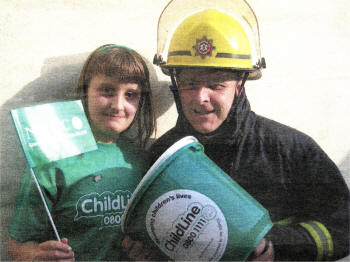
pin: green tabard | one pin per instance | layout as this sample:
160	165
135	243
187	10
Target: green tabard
86	195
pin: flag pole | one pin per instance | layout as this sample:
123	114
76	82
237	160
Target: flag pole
45	205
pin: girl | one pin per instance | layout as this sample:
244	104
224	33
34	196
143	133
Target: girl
87	194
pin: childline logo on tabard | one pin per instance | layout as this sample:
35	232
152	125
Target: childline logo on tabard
108	206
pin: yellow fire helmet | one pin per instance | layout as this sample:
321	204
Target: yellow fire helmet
209	33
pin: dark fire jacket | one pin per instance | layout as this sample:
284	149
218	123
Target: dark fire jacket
287	172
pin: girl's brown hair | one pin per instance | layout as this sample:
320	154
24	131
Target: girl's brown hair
124	65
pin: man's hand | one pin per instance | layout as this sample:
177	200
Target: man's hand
263	252
137	251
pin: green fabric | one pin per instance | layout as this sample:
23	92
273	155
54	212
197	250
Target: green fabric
110	47
65	121
87	195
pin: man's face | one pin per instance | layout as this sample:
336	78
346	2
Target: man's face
206	97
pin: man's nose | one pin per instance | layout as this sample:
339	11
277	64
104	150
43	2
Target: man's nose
203	94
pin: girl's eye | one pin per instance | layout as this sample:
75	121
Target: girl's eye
131	94
107	91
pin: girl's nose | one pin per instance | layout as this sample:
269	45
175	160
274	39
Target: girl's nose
117	102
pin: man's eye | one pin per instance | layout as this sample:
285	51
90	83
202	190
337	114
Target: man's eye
187	85
216	86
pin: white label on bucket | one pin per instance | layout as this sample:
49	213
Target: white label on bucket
187	225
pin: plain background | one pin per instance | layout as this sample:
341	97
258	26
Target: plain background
305	85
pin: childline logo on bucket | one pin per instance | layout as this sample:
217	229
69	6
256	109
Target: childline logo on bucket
191	223
187	225
109	206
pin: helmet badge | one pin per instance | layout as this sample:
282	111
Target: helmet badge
204	47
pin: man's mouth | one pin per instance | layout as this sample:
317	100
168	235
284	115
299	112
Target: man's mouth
203	112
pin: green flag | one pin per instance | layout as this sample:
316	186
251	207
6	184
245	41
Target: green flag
53	131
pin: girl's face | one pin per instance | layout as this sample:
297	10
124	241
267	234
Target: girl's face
112	106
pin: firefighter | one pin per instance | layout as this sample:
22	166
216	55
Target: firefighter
209	49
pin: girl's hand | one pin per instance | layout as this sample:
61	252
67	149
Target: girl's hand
48	250
55	250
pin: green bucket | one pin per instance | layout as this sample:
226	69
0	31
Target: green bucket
192	210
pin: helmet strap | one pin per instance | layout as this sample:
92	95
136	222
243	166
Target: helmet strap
172	77
174	89
245	77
